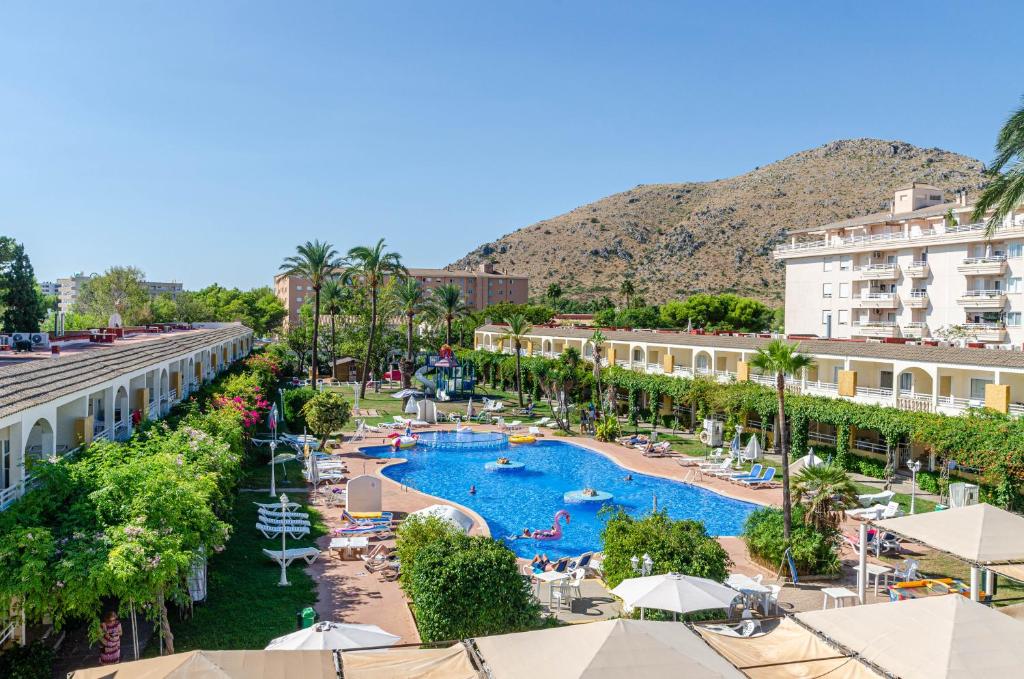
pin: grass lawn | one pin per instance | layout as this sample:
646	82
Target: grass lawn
245	608
286	475
939	565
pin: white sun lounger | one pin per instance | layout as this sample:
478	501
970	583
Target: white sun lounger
285	558
291	530
882	498
276	506
876	512
298	517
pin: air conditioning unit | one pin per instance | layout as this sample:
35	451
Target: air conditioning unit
20	337
40	340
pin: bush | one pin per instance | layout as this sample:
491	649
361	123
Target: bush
294	401
34	661
607	428
674	546
462	586
814	552
928	482
326	413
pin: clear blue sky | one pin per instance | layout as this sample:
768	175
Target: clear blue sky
201	141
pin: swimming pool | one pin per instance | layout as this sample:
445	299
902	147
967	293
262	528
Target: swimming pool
510	500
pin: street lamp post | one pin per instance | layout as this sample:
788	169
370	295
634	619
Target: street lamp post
273	463
642	566
283	582
914	466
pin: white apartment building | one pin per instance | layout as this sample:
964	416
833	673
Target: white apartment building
49	287
919	271
69	288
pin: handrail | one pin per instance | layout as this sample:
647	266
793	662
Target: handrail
837	241
877	295
999	259
984	293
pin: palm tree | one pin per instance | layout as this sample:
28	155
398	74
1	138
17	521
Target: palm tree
597	339
333	297
554	293
370	266
411	300
828	492
448	305
316	262
782	359
1006	192
627	290
518	329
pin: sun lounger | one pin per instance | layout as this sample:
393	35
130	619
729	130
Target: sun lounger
876	512
276	506
754	473
274	530
543	422
710	468
882	498
763	482
382	517
287	516
370	530
285	558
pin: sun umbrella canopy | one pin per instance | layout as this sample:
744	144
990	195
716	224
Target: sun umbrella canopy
447	513
939	637
333	636
403	393
753	449
978	533
675	592
609	649
221	665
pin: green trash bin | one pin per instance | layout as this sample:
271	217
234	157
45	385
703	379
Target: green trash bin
309	617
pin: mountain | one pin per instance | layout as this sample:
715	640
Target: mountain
718	236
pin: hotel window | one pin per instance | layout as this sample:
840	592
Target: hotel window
1015	284
299	299
1013	319
1015	250
298	287
826	317
827	264
826	290
844	290
844	262
978	388
844	317
906	382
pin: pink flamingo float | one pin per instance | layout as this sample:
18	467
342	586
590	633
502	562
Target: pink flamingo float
555	532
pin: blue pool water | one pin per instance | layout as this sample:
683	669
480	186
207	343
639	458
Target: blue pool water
512	500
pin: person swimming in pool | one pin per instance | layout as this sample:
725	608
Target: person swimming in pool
629	477
472	490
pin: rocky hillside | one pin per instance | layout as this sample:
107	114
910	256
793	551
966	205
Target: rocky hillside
678	239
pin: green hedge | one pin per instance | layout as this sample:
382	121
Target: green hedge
815	553
294	400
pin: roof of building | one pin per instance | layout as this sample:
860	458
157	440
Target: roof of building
884	216
39	381
461	272
985	358
918	185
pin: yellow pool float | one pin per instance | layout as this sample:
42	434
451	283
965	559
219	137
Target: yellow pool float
522	438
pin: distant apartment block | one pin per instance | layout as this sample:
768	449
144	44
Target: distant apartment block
49	287
69	288
913	272
480	288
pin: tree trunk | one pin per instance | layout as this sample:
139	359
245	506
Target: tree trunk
334	349
165	626
448	330
314	367
597	380
787	515
369	341
410	360
519	375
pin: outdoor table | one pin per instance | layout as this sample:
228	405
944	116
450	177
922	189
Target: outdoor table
750	588
838	595
550	577
877	570
345	547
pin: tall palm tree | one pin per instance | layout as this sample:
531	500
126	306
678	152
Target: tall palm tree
316	262
828	492
448	305
627	290
554	293
412	300
518	329
333	297
782	359
369	266
597	339
1006	192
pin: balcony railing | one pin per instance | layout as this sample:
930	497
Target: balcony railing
985	299
880	392
654	368
878	271
927	234
916	269
985	260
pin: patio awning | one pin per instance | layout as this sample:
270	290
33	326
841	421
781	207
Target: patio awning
409	663
940	637
610	649
221	665
787	652
981	534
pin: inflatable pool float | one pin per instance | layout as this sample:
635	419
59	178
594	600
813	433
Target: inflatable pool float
555	532
522	438
405	442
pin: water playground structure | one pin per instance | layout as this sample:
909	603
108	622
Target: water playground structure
444	379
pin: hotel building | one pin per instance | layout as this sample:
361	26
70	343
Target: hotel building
920	270
69	288
480	288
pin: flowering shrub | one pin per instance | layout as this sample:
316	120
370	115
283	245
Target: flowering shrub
245	394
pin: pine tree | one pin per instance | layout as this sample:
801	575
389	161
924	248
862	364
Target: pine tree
23	301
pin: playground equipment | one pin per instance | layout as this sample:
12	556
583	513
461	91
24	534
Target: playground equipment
443	378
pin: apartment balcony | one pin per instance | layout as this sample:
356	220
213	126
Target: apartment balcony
876	300
961	233
882	329
983	299
876	272
915	329
983	266
916	270
987	332
918	299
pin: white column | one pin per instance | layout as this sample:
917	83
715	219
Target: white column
803	379
990	583
935	391
975	582
862	560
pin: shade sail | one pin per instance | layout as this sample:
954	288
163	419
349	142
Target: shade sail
222	665
787	652
447	513
978	533
333	636
940	637
434	663
674	592
1015	611
610	649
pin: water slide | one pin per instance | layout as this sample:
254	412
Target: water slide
429	385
